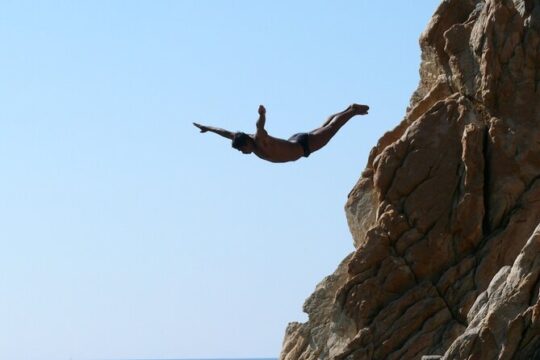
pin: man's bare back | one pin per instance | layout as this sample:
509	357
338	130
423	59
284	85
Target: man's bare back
280	150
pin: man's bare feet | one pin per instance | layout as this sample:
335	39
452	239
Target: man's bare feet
359	109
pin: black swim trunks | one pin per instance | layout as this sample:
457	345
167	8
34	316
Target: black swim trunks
303	140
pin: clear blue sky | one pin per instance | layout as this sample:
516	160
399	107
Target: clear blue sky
127	234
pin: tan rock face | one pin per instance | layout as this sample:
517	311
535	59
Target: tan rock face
447	258
504	322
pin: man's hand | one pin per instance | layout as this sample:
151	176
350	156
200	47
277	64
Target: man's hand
201	127
262	110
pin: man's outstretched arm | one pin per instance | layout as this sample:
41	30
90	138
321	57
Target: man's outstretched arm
261	122
222	132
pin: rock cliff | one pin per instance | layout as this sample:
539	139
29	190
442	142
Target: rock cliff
445	216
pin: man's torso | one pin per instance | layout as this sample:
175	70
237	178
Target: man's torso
277	150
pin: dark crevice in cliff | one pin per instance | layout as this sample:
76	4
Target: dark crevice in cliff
455	315
505	221
486	226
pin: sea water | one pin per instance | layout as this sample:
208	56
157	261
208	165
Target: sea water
208	359
222	359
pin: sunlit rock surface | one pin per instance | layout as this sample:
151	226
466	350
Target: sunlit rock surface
447	258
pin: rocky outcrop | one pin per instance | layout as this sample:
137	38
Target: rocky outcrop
504	322
447	258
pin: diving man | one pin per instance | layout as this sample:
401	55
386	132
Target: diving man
280	150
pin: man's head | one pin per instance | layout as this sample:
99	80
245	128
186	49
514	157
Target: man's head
243	142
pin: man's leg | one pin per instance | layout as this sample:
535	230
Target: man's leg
331	117
318	138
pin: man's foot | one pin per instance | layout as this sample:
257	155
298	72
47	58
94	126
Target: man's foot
359	109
